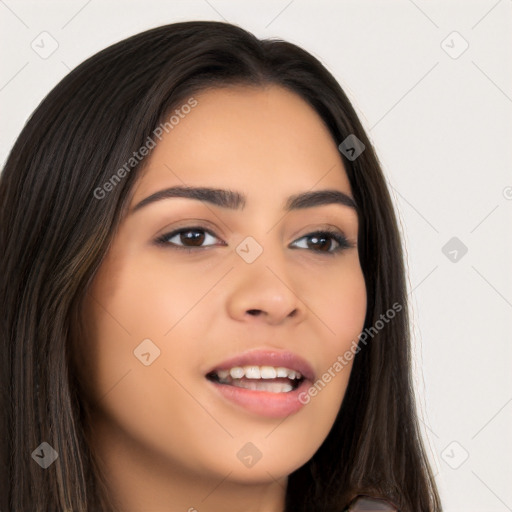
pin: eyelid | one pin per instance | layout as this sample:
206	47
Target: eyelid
189	224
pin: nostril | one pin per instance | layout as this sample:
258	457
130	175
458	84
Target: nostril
254	312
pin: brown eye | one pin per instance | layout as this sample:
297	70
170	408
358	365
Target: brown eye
191	237
328	242
320	243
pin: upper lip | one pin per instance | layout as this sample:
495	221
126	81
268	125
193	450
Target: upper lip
268	358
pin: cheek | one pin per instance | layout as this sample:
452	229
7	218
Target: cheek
150	297
342	310
346	314
150	404
339	301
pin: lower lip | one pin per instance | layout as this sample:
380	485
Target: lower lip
264	403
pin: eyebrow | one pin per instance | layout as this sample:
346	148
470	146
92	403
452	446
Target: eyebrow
236	201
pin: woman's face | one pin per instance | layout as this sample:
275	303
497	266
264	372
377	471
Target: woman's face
191	285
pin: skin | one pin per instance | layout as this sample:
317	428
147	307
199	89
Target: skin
165	439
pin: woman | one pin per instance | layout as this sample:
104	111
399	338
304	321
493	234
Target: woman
203	291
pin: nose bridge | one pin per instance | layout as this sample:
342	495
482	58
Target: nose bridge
264	285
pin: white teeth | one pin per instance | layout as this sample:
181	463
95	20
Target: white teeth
237	372
259	378
252	372
268	372
273	387
282	372
259	372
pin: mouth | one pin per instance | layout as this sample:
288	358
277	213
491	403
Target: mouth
267	383
259	378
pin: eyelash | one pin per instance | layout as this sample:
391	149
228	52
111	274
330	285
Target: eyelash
338	237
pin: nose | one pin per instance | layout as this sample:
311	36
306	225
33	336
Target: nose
264	291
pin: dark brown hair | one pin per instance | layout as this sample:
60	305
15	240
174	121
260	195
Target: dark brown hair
54	233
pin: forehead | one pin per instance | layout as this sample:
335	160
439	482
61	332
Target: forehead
249	138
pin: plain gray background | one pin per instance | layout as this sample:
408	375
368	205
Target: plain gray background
439	115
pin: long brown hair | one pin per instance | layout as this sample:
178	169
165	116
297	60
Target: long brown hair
54	232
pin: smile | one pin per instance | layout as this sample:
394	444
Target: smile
263	388
259	378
